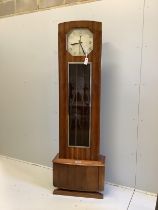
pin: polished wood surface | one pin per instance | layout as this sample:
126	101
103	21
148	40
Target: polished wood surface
67	161
79	176
78	194
79	170
82	153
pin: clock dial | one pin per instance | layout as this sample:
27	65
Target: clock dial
79	42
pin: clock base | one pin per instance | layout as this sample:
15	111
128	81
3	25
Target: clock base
80	176
96	195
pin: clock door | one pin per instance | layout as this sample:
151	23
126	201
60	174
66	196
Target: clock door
79	85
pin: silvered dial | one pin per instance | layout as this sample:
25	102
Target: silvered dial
80	42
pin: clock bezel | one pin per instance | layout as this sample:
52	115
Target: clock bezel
67	36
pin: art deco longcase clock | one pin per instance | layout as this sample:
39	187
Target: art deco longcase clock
78	169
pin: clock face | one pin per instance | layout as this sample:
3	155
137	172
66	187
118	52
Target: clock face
80	42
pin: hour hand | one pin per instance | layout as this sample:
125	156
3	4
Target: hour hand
75	43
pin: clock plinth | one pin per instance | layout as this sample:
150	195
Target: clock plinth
83	178
79	169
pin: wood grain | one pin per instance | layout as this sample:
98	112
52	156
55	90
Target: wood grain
80	176
79	171
67	161
86	153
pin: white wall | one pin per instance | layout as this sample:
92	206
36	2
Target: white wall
147	166
29	88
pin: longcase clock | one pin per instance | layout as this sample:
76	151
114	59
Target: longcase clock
79	168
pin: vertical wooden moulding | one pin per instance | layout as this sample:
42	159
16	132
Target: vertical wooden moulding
96	75
62	94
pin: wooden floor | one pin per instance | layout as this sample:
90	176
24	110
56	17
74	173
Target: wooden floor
25	186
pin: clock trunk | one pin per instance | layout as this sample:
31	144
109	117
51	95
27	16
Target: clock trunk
79	112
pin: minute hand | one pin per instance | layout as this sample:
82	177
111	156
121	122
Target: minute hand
82	48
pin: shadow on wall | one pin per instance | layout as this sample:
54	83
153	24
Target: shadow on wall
109	97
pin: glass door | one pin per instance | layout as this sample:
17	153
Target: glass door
79	89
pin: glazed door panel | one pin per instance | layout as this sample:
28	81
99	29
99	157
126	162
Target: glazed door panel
79	107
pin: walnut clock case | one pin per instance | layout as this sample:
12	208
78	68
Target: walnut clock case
79	168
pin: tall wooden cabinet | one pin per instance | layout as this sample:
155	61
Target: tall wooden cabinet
79	168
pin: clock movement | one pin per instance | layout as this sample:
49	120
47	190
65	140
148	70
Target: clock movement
79	168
